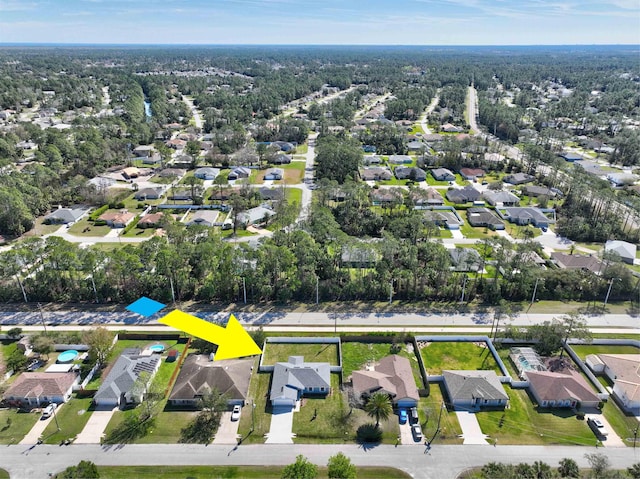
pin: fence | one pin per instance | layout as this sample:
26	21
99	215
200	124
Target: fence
300	340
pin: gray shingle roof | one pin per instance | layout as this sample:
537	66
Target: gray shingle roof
296	375
124	374
467	385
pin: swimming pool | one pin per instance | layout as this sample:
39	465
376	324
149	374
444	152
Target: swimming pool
157	348
67	356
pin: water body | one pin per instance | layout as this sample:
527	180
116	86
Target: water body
147	109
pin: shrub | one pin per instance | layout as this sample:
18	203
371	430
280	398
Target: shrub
94	216
369	433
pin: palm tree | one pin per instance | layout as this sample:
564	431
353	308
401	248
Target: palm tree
379	406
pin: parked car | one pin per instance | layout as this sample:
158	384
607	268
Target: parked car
597	426
413	415
48	411
403	416
235	414
416	430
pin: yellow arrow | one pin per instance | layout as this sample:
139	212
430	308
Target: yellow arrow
233	341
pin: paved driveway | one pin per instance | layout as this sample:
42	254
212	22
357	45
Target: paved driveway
38	428
281	428
471	432
94	429
612	439
228	430
405	434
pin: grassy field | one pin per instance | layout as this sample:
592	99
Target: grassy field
316	353
583	350
15	425
429	411
522	423
622	424
438	356
72	418
293	195
230	472
293	172
475	232
85	228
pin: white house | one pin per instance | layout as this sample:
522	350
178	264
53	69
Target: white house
37	389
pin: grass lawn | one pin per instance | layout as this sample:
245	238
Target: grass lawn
258	392
461	181
591	246
315	353
475	232
518	232
523	423
140	233
429	411
302	149
21	424
622	424
4	474
111	246
433	182
72	418
416	128
583	350
445	233
293	195
230	472
86	228
438	356
167	427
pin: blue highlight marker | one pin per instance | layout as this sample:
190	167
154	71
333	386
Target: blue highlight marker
145	307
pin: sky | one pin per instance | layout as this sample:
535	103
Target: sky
357	22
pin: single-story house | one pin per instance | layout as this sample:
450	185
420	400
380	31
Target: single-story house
130	172
474	389
626	251
566	389
385	196
199	375
624	371
204	218
372	160
117	219
280	159
578	261
500	198
442	174
117	387
416	146
154	159
375	174
294	379
571	157
149	194
180	194
468	194
359	256
283	145
426	196
176	144
400	159
449	128
271	193
622	179
485	218
465	259
518	178
415	174
526	216
536	191
239	172
472	174
255	215
150	221
432	137
443	218
207	173
64	216
274	174
393	376
143	150
172	173
38	389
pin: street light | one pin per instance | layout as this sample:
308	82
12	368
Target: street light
606	298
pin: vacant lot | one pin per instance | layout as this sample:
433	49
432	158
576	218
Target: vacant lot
15	425
438	356
315	353
583	350
523	423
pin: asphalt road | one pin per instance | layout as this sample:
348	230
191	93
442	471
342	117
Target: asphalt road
443	462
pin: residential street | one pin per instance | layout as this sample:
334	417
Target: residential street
443	462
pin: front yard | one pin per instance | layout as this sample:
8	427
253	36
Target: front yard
523	423
14	425
429	411
72	418
314	353
439	356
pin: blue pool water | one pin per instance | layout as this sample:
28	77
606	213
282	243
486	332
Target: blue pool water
157	348
67	356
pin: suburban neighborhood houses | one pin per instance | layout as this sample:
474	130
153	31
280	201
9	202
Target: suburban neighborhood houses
436	253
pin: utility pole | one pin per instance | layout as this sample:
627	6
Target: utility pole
390	291
244	289
606	298
44	326
442	407
464	285
535	290
173	294
317	289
